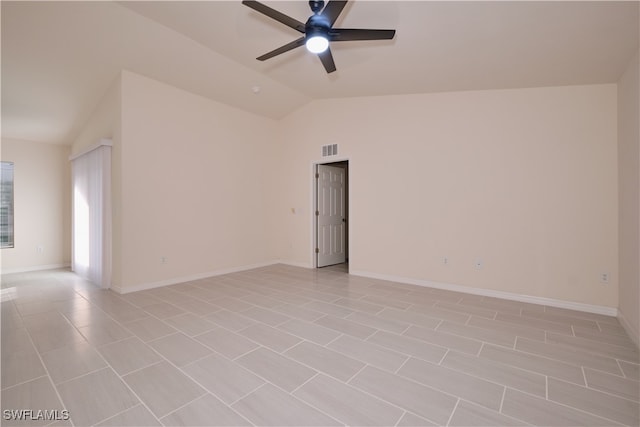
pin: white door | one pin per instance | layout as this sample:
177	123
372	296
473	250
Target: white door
331	215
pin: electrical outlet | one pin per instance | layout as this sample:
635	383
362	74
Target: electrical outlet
604	278
40	249
445	260
163	260
479	263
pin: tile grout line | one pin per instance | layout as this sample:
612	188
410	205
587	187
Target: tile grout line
248	339
305	382
140	401
86	373
504	394
586	412
481	348
266	309
584	377
547	357
298	398
243	354
341	334
55	389
24	382
163	337
166	360
538	372
401	353
141	368
117	341
453	412
291	347
617	396
405	362
622	370
473	375
553	377
185	405
404	412
198	359
247	394
376	397
364	361
119	413
546	387
406	329
356	374
406	309
592	352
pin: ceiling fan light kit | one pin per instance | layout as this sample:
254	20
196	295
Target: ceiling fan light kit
318	31
317	44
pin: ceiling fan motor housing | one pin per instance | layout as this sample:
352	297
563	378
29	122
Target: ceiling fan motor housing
317	25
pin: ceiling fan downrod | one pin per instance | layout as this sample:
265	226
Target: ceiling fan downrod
316	6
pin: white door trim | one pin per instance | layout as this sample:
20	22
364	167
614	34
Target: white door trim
331	214
313	260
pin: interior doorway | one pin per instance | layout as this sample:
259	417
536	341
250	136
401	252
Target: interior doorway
331	214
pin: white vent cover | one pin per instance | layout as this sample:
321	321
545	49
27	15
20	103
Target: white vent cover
330	150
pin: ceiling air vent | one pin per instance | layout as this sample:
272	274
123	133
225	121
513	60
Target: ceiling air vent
330	150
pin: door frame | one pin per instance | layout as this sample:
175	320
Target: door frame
314	206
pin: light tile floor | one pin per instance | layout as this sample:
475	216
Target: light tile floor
282	345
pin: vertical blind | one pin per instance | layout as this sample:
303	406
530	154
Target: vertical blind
91	178
6	205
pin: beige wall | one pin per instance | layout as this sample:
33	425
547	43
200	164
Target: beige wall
42	206
197	179
525	180
103	122
629	180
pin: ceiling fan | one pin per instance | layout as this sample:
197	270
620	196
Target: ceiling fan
318	30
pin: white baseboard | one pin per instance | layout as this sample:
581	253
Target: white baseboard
551	302
295	264
35	268
570	305
631	330
176	280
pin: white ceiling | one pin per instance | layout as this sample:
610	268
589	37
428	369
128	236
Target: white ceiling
59	58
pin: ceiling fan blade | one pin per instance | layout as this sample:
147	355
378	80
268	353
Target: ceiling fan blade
347	34
274	14
327	60
282	49
332	10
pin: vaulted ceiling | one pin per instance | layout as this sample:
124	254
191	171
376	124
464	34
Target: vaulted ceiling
59	58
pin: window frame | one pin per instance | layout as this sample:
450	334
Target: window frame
10	234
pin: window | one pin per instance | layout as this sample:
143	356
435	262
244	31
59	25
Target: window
6	205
